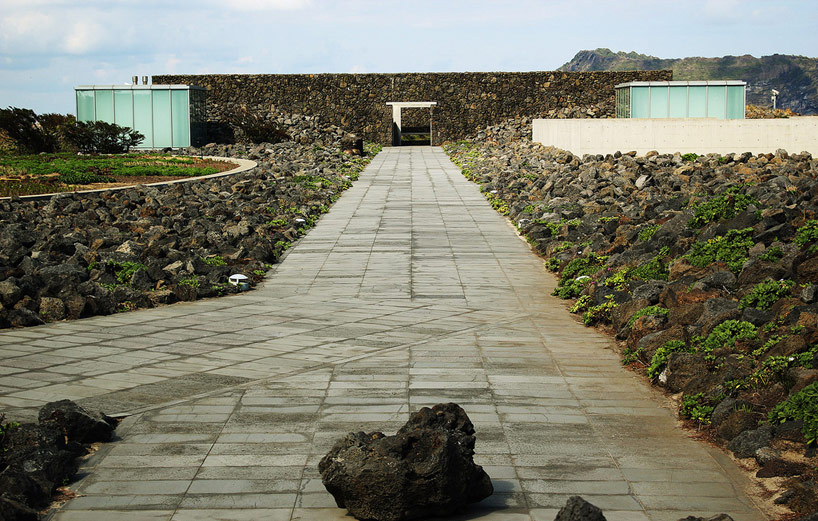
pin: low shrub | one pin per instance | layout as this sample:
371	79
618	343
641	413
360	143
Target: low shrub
732	249
765	294
803	406
648	311
661	356
724	206
806	234
99	137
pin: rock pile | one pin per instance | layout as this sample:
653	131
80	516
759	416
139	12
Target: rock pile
425	470
77	255
36	458
704	267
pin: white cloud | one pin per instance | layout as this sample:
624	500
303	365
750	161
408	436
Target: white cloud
83	37
266	5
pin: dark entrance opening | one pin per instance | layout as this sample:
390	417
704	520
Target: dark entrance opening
418	119
416	136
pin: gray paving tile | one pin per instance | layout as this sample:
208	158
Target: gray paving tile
411	291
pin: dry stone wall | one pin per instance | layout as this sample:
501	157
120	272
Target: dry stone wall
466	101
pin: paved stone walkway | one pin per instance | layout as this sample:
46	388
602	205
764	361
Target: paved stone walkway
410	292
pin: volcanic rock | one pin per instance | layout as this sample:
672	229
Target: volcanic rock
425	470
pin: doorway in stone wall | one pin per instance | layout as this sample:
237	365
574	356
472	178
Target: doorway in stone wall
414	125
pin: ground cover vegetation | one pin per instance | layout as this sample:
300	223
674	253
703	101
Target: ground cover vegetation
75	255
54	153
704	267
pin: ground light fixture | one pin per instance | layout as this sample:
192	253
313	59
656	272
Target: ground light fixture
237	279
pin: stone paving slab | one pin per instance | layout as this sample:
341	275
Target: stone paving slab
410	292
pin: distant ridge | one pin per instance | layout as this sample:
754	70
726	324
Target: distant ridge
795	77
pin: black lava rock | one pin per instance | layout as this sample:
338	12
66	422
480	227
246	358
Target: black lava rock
577	509
426	469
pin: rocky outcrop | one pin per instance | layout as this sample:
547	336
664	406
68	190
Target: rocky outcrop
425	470
36	458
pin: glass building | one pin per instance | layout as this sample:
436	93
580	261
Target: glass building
720	99
167	115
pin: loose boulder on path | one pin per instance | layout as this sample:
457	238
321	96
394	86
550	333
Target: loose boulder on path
426	469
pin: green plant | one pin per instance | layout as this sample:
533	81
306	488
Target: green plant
214	261
662	355
260	273
282	245
553	264
803	406
631	356
690	157
655	269
697	408
26	131
5	428
497	203
581	304
647	233
278	222
724	335
765	294
100	137
724	206
807	233
732	248
192	282
773	254
605	220
123	271
648	311
600	312
618	280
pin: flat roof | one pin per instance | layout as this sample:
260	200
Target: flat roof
138	87
699	83
410	104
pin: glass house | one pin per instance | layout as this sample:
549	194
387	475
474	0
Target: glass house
721	99
167	115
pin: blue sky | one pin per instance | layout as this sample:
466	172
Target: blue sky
49	46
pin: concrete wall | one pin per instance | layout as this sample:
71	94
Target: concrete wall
466	101
701	136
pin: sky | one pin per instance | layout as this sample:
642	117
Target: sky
47	47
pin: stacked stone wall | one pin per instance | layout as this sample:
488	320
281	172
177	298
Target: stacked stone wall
466	101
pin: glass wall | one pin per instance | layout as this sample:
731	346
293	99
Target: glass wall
640	102
717	102
167	116
85	105
123	108
704	99
143	116
658	102
677	102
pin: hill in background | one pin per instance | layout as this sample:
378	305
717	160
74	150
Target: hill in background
795	77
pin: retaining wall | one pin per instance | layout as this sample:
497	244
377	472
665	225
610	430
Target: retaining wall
701	136
467	101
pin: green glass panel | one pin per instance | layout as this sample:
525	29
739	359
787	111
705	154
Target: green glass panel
123	108
678	102
697	102
143	116
85	105
161	119
716	99
180	112
105	105
658	102
640	102
735	102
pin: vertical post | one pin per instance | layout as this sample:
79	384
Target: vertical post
396	125
431	125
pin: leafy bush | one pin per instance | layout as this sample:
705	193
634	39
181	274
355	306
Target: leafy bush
697	408
569	286
661	356
599	312
773	254
23	126
732	248
655	269
256	128
725	206
765	294
803	405
647	234
123	271
648	311
726	334
807	233
99	137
